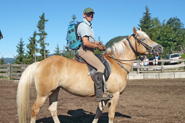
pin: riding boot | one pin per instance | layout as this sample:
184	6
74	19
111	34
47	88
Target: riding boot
99	88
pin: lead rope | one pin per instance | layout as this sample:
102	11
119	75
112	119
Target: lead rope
120	63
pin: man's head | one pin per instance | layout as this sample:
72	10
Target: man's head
88	14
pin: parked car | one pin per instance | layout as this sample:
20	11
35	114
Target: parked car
174	58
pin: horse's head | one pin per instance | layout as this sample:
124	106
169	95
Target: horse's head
142	44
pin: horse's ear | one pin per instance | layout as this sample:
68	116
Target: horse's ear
140	29
134	31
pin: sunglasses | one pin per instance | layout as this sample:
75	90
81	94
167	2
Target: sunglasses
90	14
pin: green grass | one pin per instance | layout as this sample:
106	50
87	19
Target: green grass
183	56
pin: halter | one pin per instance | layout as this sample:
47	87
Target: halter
149	48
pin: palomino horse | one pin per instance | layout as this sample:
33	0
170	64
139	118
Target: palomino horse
58	72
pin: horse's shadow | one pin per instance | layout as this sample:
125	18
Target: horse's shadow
80	116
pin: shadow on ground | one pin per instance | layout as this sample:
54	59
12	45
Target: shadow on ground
80	116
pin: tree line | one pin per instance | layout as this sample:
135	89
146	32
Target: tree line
170	34
30	55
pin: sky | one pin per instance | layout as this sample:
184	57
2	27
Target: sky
19	19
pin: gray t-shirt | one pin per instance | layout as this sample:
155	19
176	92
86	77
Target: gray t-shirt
85	29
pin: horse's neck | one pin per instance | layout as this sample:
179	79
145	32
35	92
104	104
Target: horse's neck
128	55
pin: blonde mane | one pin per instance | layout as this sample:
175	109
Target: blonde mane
118	47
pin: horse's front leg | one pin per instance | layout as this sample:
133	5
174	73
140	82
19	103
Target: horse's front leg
112	106
99	111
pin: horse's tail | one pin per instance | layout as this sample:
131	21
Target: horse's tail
23	97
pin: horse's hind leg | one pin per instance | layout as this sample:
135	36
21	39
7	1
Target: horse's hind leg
53	100
36	107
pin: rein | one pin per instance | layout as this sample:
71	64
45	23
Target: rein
119	61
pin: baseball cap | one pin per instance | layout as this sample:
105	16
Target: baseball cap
88	10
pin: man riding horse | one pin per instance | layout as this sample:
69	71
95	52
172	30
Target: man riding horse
86	51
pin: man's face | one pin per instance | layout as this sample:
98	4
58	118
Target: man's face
89	16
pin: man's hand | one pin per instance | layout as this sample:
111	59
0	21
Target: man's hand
100	47
104	48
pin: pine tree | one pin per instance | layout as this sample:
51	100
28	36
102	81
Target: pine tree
175	23
19	59
2	60
146	22
58	51
73	19
42	34
177	26
67	52
32	49
1	35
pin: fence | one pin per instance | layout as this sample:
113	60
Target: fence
11	71
14	71
160	68
5	71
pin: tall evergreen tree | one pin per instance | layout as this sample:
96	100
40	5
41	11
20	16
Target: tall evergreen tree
2	60
67	52
42	34
19	59
177	26
57	50
175	23
73	18
1	35
32	49
146	22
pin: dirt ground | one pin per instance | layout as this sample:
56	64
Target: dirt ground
143	101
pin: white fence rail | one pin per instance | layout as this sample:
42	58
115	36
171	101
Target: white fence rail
162	67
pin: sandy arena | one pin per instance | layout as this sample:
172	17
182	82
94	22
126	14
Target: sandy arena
143	101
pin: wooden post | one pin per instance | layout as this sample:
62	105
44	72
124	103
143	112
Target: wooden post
9	71
138	67
11	68
162	66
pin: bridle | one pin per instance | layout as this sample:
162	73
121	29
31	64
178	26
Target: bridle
140	41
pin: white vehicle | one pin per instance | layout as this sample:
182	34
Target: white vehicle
174	58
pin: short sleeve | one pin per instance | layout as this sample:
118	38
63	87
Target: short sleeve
83	30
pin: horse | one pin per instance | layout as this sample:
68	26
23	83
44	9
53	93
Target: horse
56	72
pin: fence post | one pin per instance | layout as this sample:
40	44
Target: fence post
138	66
9	71
162	66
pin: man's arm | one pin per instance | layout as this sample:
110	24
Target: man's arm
89	44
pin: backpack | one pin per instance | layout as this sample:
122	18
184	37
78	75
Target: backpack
73	40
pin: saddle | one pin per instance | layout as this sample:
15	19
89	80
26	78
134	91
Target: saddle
92	70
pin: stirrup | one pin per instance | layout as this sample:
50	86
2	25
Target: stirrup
107	98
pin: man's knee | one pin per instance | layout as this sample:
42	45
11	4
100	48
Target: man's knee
101	69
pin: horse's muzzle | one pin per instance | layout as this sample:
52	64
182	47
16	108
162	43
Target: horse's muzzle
158	49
